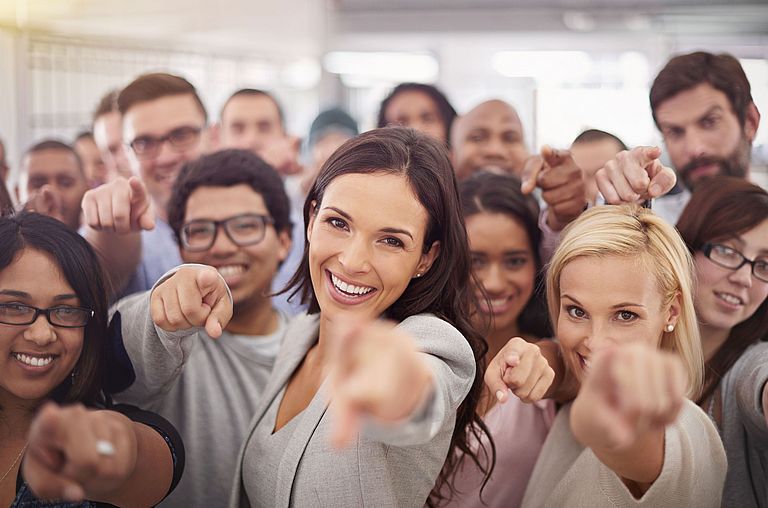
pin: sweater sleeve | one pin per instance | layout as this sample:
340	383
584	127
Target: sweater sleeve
157	356
748	379
452	362
694	467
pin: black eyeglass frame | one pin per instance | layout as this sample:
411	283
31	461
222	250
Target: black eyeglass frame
707	250
266	220
159	141
47	313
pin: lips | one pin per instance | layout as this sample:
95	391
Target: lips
496	306
36	362
348	292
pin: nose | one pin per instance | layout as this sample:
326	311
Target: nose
599	338
41	332
742	276
222	246
695	144
355	257
494	148
167	156
492	279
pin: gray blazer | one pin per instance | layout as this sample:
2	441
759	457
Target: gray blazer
384	467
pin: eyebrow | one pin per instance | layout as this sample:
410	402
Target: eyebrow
617	306
23	294
714	109
383	230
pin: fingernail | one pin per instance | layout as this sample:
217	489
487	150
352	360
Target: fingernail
500	396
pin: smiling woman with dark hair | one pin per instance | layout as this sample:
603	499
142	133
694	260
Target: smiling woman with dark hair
385	239
53	329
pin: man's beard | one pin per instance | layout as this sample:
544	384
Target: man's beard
735	164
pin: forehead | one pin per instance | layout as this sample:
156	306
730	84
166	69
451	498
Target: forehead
494	114
689	105
599	282
244	107
497	232
222	202
36	273
376	201
410	99
160	116
51	160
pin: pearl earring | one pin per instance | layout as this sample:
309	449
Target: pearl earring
670	328
418	275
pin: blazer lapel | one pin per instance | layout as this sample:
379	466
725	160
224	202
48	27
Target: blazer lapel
309	420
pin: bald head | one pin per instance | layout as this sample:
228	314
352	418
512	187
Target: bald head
488	137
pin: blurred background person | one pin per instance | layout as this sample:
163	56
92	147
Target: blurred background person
96	171
108	135
591	150
53	181
419	106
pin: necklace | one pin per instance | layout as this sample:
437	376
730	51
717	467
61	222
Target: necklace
23	449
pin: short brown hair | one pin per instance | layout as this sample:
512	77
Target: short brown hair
723	72
157	85
106	105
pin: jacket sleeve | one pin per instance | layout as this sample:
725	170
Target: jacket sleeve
453	367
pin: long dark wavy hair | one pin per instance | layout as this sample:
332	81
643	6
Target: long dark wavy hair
723	208
487	192
80	267
446	289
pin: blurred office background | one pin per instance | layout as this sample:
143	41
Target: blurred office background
565	64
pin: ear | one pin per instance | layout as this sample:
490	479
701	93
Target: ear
751	122
674	310
312	215
285	242
425	263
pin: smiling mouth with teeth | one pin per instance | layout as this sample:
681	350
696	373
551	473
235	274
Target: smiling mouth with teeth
350	289
729	298
33	361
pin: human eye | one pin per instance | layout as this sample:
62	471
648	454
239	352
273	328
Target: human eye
478	261
393	242
709	122
727	253
575	312
626	316
515	262
476	137
143	144
198	229
673	132
14	309
69	316
66	182
761	269
337	223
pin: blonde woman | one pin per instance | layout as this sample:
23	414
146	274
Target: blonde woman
619	291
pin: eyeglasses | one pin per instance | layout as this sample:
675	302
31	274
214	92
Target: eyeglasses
63	316
728	257
245	229
147	147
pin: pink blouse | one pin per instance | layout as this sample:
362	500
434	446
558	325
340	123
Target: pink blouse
518	430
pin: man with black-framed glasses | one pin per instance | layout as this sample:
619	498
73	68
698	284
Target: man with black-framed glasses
164	127
228	210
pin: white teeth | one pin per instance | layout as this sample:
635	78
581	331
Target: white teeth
34	361
231	270
498	302
733	300
349	288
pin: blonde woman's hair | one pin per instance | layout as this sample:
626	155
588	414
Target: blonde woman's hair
634	232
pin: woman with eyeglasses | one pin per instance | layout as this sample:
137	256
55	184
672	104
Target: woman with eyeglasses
725	226
53	348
